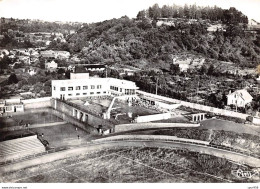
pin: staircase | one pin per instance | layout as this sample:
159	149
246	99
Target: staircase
21	147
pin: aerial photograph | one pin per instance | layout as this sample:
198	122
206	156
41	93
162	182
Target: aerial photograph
129	91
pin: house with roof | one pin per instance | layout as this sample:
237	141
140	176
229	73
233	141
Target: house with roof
183	64
11	105
90	67
239	98
51	66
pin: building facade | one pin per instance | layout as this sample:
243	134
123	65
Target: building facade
239	98
11	105
80	85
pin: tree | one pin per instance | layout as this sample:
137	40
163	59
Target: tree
203	69
175	69
141	15
12	79
61	71
154	11
211	70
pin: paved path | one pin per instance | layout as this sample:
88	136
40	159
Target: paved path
15	128
219	124
143	141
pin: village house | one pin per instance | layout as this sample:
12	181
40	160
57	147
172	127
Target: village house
50	55
90	67
183	64
51	66
24	59
11	105
239	98
62	54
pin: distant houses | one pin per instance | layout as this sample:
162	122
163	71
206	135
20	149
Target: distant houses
89	67
51	66
50	54
183	64
239	98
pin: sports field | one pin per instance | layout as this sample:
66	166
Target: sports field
131	165
28	118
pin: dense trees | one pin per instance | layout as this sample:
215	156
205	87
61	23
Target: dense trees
124	39
228	16
12	79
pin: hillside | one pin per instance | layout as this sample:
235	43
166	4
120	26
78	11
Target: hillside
127	40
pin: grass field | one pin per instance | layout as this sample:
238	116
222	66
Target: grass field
131	165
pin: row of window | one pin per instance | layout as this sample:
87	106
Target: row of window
84	94
115	88
79	88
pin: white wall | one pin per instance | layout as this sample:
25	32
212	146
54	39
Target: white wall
199	106
154	117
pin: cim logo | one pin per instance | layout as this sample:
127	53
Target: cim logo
244	174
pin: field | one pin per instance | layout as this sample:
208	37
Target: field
131	165
28	118
58	136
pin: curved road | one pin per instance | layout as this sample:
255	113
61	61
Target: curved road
251	161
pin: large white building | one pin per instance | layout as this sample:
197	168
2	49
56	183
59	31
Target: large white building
81	85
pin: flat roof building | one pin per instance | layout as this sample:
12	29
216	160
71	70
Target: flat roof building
80	86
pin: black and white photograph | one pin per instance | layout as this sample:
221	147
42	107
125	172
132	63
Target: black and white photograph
129	91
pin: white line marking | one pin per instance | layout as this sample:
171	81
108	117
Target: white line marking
67	166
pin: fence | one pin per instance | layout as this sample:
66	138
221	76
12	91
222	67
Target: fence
198	106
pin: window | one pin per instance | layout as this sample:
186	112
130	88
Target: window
78	88
70	88
120	89
62	89
98	92
99	86
70	94
104	92
8	108
91	93
54	88
84	93
85	87
77	94
92	86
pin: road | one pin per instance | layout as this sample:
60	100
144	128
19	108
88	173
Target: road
251	161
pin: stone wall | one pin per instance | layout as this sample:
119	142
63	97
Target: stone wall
68	110
37	103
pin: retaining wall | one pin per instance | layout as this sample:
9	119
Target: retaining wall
154	117
37	103
67	110
198	106
139	126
